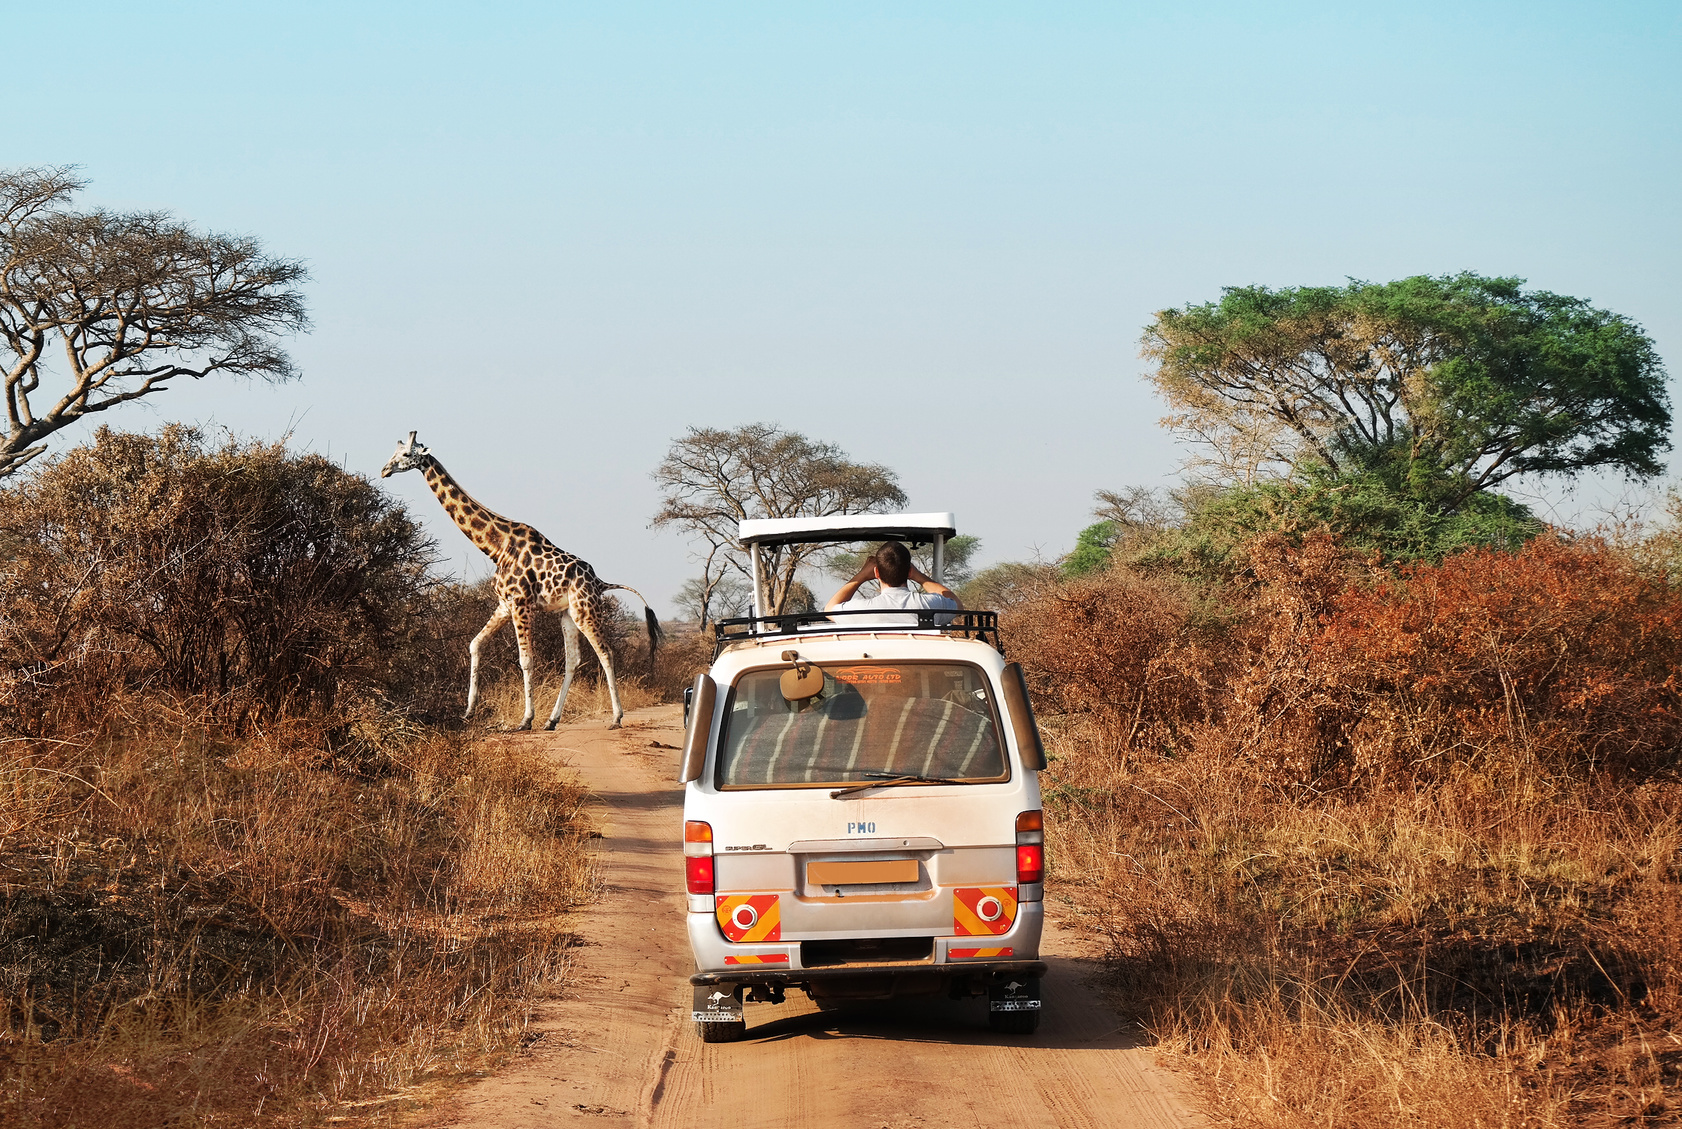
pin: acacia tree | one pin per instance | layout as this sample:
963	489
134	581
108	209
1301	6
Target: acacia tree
98	308
709	597
1442	386
712	479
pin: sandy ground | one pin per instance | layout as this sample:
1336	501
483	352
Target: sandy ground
619	1046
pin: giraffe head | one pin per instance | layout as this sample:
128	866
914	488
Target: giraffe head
408	456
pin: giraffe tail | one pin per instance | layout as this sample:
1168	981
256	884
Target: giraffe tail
654	632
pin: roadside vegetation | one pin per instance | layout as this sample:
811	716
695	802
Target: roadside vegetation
1382	848
1366	780
252	869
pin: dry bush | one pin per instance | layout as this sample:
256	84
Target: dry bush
242	879
1560	654
242	575
1381	849
1135	655
1004	586
199	928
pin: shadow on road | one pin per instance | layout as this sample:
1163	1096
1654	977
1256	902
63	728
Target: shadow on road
936	1019
647	801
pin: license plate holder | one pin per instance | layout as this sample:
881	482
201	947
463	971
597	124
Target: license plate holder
861	872
713	1004
1015	994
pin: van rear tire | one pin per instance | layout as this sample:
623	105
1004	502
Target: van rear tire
1014	1022
722	1032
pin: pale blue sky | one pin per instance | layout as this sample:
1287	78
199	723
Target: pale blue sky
550	237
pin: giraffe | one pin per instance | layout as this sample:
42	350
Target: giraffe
531	573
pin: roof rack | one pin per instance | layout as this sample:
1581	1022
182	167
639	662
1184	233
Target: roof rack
963	624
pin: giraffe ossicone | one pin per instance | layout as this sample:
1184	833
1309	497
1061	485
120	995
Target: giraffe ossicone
531	573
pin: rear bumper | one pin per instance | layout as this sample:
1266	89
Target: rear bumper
719	961
794	977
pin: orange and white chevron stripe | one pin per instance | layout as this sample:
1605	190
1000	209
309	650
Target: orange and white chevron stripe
983	911
750	918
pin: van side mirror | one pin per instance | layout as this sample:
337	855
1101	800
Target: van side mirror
1022	722
698	709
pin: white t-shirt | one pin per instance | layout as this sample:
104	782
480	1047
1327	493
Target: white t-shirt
905	596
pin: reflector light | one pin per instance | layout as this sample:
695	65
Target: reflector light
695	831
1030	863
989	909
698	873
1030	821
744	917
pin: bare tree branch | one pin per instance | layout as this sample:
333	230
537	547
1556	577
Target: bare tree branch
713	479
133	300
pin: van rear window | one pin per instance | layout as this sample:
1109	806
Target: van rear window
907	719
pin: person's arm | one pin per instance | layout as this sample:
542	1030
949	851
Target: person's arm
934	586
845	592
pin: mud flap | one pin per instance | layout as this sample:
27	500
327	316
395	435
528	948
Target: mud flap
721	1003
1015	993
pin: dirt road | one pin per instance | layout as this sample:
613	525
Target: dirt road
619	1047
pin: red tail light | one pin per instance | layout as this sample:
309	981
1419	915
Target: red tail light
1030	863
698	856
698	874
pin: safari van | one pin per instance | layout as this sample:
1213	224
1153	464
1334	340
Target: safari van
861	802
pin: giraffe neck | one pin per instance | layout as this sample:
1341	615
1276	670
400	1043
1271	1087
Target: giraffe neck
486	528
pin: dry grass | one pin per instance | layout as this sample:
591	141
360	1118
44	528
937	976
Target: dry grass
1433	961
200	930
1353	898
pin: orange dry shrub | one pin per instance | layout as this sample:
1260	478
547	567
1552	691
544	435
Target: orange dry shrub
1278	709
1137	657
1381	848
1559	655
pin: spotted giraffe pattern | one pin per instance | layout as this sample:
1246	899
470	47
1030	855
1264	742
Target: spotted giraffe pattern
531	573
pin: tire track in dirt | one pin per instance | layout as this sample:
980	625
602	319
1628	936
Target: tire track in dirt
617	1049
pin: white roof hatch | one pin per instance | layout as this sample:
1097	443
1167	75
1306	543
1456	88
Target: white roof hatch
846	527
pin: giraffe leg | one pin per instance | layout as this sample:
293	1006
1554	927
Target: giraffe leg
492	626
588	622
570	631
522	634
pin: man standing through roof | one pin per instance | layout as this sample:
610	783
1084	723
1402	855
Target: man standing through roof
904	587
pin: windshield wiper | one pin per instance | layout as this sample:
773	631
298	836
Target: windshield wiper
888	781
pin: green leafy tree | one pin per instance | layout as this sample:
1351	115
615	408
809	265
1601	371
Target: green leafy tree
1092	549
1369	518
1439	387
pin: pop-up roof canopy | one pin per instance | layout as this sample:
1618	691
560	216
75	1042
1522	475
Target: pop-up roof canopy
756	533
847	527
